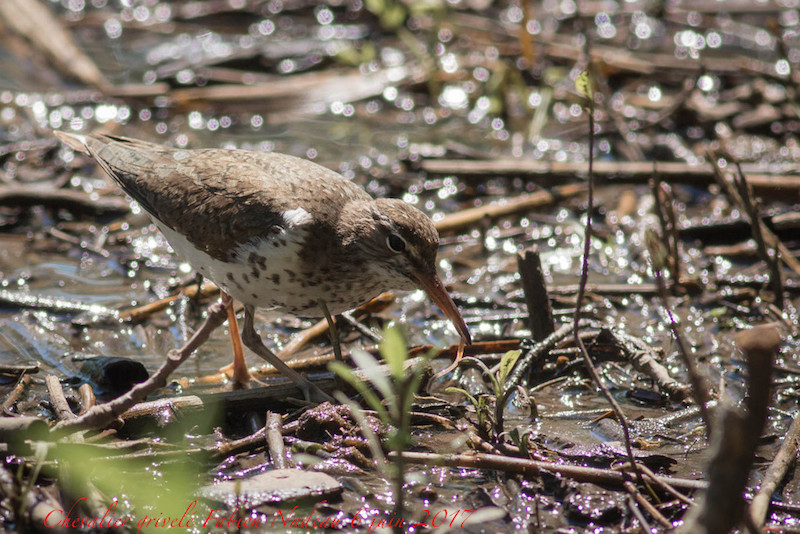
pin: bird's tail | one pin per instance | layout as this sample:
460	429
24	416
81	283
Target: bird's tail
74	141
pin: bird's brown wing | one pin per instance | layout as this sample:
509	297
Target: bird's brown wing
219	198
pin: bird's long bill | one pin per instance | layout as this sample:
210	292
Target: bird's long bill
435	289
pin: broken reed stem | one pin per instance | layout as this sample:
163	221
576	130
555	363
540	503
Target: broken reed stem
275	440
587	242
104	414
534	287
750	206
665	209
699	390
736	439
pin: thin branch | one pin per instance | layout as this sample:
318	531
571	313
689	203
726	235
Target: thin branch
587	243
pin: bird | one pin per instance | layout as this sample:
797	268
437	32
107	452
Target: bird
276	231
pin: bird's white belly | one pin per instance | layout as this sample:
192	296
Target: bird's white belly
264	273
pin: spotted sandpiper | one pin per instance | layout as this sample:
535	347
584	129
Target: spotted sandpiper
276	231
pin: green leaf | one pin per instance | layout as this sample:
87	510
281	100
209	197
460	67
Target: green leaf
496	387
373	370
471	399
507	364
347	374
394	351
583	84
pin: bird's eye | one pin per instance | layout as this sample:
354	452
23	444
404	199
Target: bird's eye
396	243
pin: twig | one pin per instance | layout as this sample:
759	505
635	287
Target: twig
699	389
246	444
333	330
192	291
53	304
614	171
751	208
775	473
540	348
14	195
642	358
16	393
472	216
632	501
57	398
103	414
275	441
36	22
665	209
646	471
301	339
587	243
644	503
523	466
770	238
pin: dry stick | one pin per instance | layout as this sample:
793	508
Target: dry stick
616	171
55	305
699	390
36	22
770	238
88	399
16	393
245	444
775	473
80	243
665	208
301	339
103	414
644	503
540	313
193	291
275	440
524	363
524	466
471	216
642	358
587	243
637	513
57	399
75	201
751	208
607	289
663	485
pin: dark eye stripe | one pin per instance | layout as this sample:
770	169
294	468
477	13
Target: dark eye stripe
396	243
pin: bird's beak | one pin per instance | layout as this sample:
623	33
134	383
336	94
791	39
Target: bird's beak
435	289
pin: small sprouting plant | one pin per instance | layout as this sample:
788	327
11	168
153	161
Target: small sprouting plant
489	407
397	389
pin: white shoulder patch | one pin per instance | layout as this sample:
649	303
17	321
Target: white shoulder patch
297	217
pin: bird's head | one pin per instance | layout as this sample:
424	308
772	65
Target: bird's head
401	243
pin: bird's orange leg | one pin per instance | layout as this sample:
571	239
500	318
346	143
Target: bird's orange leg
238	369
